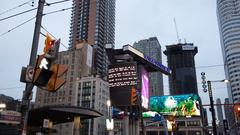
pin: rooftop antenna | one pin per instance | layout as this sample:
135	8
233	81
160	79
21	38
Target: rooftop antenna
175	24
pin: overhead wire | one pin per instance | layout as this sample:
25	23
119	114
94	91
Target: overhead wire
47	4
33	18
17	26
210	66
17	14
9	88
6	11
64	9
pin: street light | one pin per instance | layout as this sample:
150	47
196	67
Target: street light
211	103
2	106
109	121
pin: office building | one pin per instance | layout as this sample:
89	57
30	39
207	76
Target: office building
93	92
9	102
180	58
220	117
79	62
228	12
9	117
152	48
229	115
93	21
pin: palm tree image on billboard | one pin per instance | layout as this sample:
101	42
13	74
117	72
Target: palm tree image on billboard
178	105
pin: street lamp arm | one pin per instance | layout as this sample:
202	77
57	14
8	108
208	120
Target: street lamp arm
223	80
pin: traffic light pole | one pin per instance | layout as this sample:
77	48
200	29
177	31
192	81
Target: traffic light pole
212	108
29	86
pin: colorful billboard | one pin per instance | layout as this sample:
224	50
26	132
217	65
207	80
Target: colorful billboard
145	88
178	105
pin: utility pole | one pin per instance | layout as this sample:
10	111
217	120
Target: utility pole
26	99
212	108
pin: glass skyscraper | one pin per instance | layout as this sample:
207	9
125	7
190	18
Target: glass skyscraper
228	12
152	48
93	21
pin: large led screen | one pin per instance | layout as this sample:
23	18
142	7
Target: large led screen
178	105
122	74
145	88
122	78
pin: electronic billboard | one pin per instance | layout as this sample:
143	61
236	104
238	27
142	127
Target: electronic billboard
122	77
177	105
145	88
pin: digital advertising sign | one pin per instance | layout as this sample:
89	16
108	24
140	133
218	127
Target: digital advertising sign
122	77
145	88
178	105
122	74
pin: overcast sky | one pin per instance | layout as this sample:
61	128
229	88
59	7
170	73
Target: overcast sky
135	20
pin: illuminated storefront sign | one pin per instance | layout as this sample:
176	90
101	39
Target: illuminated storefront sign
10	117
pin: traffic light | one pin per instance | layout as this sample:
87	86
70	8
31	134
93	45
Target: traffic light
46	74
49	42
42	73
56	80
133	96
237	111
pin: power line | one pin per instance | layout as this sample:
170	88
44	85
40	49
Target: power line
64	9
52	36
17	26
18	14
48	4
15	7
9	88
32	19
219	65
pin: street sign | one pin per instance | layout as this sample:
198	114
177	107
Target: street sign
203	73
45	123
29	74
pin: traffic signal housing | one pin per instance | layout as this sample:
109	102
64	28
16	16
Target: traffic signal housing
57	80
48	75
49	42
133	96
237	111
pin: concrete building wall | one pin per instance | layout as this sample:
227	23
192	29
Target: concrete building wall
76	60
93	92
